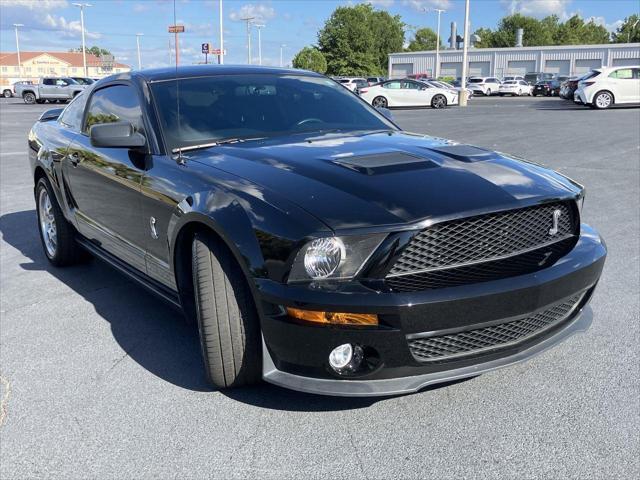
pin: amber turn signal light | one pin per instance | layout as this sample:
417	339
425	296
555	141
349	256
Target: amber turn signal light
333	318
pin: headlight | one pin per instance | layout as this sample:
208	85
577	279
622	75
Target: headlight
333	258
580	201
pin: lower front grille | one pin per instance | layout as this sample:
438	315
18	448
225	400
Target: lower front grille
471	342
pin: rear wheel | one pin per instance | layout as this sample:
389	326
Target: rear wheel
602	100
488	94
29	98
227	317
6	93
56	234
380	102
439	101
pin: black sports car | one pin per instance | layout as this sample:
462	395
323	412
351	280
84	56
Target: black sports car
316	244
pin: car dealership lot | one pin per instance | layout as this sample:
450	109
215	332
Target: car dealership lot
99	378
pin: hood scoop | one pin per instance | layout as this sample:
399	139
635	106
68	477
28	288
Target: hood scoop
465	153
387	162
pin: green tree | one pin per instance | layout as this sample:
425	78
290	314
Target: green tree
576	31
310	58
535	33
95	50
425	39
629	31
356	40
486	38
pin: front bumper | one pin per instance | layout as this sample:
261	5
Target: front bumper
296	354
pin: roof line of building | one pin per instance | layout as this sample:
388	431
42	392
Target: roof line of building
517	49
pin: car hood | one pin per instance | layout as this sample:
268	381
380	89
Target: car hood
374	179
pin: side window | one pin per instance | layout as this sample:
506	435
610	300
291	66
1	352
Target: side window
623	73
410	86
636	73
61	83
72	115
118	103
48	81
392	85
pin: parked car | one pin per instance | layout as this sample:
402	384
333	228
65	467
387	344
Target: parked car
408	93
53	89
545	87
374	80
609	86
515	87
353	83
316	244
534	77
512	78
448	86
420	76
484	85
84	80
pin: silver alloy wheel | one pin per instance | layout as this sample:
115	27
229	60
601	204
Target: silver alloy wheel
29	98
603	100
379	102
47	223
439	101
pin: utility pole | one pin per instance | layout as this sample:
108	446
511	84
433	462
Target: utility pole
465	43
259	27
138	35
248	20
437	69
221	56
282	45
16	26
84	53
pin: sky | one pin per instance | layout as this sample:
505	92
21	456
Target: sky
112	24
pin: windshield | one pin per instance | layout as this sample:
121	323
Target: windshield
257	106
476	80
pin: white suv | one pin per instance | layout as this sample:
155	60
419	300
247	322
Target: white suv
607	86
484	85
353	83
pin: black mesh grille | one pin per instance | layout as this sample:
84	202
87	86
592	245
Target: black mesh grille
470	342
474	249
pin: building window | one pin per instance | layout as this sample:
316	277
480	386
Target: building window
4	69
28	69
16	69
75	70
40	70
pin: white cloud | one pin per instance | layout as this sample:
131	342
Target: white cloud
537	8
66	28
421	5
260	12
36	4
381	3
611	27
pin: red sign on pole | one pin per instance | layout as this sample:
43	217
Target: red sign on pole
176	28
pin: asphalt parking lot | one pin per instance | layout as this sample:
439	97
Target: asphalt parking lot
100	379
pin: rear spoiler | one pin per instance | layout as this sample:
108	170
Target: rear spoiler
51	114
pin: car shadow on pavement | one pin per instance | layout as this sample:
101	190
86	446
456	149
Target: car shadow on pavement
152	333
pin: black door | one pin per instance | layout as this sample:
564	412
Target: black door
105	182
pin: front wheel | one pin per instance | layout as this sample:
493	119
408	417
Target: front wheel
380	102
602	100
56	234
227	318
488	94
439	101
6	93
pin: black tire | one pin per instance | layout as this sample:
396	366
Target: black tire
488	94
602	100
7	93
40	101
227	318
67	252
380	102
29	98
439	101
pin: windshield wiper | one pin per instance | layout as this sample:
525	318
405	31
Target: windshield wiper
223	141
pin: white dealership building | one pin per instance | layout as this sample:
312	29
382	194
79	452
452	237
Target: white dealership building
498	62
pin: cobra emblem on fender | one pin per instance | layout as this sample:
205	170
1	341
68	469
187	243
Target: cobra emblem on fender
556	219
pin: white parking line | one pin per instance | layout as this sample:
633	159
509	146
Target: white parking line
3	154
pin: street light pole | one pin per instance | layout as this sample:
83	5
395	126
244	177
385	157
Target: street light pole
221	56
437	69
138	35
463	83
84	53
282	45
259	27
16	25
248	20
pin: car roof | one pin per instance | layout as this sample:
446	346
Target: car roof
193	71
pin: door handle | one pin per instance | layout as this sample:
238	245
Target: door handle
74	158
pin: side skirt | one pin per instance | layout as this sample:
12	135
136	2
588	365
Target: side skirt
170	296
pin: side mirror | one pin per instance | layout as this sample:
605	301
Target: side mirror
50	114
116	135
386	112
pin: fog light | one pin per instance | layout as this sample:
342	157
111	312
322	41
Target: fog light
346	358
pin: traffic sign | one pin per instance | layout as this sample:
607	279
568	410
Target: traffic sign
206	48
